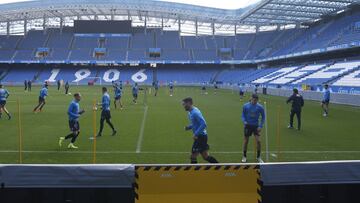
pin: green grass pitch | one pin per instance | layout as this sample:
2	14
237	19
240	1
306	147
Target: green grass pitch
162	129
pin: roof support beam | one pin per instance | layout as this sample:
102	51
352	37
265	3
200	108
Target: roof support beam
303	5
292	8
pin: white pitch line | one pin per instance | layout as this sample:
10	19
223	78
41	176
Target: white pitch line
164	152
141	134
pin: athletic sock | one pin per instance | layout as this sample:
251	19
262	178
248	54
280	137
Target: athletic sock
193	161
69	136
211	159
244	153
258	153
74	137
111	126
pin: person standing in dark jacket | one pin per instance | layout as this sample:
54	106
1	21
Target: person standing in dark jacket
297	103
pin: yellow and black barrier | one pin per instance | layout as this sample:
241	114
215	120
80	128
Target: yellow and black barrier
198	183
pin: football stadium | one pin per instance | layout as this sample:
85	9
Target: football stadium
180	101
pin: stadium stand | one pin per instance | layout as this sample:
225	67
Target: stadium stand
296	75
274	75
329	73
350	80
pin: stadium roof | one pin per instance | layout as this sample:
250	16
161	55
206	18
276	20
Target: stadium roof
52	13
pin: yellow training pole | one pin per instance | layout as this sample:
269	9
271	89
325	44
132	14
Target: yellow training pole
278	133
94	133
20	132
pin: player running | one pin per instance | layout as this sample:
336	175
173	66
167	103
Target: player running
156	87
250	116
326	101
297	103
198	127
135	92
74	114
118	93
171	88
4	94
42	98
105	113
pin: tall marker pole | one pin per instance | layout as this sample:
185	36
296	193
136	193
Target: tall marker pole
278	133
94	133
20	132
266	133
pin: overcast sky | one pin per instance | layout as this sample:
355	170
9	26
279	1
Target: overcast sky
225	4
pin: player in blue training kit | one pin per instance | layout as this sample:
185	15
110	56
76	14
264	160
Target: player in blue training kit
215	87
135	92
241	92
156	87
74	114
203	88
250	116
42	98
118	94
326	101
4	94
105	113
198	127
171	88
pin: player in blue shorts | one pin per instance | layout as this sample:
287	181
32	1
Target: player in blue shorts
250	116
326	101
4	94
74	114
42	98
200	136
105	113
135	92
118	94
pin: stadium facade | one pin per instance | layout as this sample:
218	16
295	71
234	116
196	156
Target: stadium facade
271	43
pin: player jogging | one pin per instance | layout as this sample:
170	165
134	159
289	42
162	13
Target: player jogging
74	114
326	100
250	116
198	127
118	93
297	103
171	88
105	113
42	98
156	87
4	94
135	91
